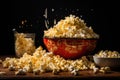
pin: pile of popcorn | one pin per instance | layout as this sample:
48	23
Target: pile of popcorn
71	27
23	44
42	61
108	54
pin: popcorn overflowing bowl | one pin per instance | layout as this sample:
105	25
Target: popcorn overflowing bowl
70	38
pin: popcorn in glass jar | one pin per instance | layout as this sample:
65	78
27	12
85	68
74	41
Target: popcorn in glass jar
24	43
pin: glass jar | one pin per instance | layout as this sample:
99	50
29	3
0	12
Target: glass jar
24	43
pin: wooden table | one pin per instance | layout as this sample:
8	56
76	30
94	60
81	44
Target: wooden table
87	75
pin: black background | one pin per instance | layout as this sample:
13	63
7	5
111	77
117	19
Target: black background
102	16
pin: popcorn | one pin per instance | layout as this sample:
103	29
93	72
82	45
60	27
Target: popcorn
70	27
108	54
95	70
55	71
11	68
20	72
2	73
74	72
104	69
23	44
42	61
101	70
0	61
36	71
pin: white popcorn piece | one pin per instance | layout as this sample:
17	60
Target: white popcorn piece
74	72
11	68
95	70
5	64
55	71
36	71
71	68
20	72
42	68
102	71
2	73
105	69
1	61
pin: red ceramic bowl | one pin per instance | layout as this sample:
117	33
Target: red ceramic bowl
70	48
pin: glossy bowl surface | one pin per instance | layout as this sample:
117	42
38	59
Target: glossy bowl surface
70	48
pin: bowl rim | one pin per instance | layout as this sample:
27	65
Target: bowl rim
105	57
70	38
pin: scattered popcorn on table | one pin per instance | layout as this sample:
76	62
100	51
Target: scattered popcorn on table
104	69
42	61
101	70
